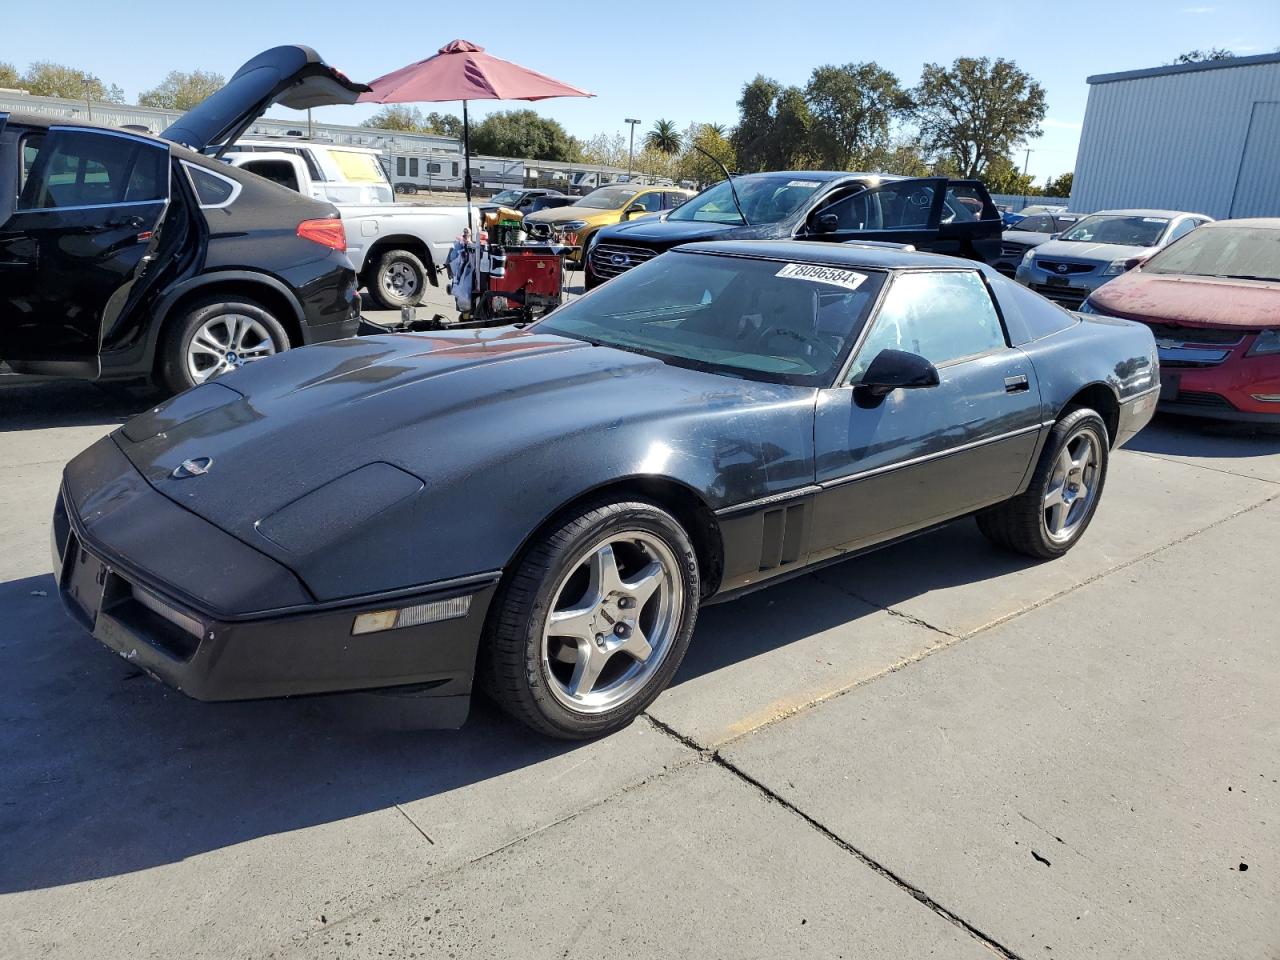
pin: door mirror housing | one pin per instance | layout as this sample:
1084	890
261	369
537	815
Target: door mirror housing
897	369
825	223
633	210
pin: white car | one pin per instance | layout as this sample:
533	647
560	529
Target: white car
397	248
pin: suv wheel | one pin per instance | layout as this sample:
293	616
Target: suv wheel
216	336
594	621
398	280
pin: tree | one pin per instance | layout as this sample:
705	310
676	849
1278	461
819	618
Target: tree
664	137
1003	176
1200	56
522	133
397	116
853	107
975	111
9	76
791	142
182	91
47	79
753	137
443	124
1059	186
694	165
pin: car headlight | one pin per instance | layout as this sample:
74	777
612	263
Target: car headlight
1026	257
1268	342
1086	307
572	226
1116	268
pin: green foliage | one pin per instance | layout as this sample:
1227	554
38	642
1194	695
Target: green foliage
975	111
1200	56
1059	186
664	137
694	165
754	138
853	107
1003	176
397	116
47	79
522	133
9	76
182	91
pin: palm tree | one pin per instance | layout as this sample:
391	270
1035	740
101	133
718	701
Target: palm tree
719	129
664	137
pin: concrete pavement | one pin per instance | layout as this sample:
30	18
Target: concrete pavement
936	750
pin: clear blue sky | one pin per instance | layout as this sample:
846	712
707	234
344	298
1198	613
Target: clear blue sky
680	61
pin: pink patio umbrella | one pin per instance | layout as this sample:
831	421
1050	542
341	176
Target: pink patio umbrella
463	71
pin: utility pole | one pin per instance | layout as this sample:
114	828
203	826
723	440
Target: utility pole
1026	161
632	148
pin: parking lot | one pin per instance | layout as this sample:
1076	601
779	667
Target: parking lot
936	750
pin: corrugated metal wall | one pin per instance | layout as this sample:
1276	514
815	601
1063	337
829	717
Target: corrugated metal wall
1174	141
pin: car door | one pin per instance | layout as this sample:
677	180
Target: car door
89	207
898	211
920	456
971	226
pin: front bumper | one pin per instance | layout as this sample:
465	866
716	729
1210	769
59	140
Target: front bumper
1220	381
113	535
1070	290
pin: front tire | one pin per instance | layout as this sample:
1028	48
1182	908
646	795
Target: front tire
216	336
1051	516
594	620
399	279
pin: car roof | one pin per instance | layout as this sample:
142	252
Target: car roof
1167	214
1265	223
838	254
28	119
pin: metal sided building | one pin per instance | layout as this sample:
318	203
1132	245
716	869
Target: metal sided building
1202	137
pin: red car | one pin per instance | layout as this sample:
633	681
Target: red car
1212	299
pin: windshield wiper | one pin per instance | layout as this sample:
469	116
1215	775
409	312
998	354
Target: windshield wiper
728	176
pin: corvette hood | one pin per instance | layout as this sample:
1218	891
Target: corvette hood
295	455
1190	301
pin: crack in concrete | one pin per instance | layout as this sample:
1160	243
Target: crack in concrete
404	813
1200	466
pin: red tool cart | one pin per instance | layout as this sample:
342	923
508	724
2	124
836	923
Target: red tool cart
519	282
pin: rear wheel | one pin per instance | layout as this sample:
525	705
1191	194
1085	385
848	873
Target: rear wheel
594	621
1051	516
215	337
399	279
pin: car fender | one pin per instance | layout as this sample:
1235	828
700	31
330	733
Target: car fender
249	278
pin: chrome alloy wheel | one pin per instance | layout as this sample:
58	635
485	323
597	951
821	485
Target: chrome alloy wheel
225	343
400	280
1073	487
613	619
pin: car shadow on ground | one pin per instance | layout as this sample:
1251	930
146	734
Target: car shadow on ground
30	404
1169	435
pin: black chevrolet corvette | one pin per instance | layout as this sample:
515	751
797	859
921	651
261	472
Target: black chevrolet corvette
546	508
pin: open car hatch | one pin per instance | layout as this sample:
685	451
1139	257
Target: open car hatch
293	76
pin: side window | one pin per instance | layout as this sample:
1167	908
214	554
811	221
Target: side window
673	200
413	167
650	201
940	316
399	166
74	168
212	190
891	207
964	203
277	171
455	169
30	150
1182	229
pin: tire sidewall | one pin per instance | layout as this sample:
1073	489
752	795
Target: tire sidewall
385	263
173	365
1063	432
628	516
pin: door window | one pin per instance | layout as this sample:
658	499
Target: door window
1182	229
673	200
76	168
650	201
413	167
942	316
399	166
892	207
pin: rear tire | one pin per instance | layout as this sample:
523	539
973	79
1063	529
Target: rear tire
1052	514
398	279
593	622
244	328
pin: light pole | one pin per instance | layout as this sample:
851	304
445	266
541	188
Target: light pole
632	148
1026	161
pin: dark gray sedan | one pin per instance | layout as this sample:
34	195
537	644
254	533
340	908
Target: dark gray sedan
545	509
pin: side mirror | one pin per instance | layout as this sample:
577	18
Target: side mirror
632	210
896	369
825	223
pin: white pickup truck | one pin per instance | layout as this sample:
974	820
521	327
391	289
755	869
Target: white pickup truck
396	247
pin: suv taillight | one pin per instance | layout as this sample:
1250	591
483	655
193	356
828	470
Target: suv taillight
327	232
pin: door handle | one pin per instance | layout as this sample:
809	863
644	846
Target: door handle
1016	384
133	223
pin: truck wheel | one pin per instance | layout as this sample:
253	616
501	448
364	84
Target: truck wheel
591	625
216	336
398	280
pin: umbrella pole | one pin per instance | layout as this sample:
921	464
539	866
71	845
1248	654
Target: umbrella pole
475	232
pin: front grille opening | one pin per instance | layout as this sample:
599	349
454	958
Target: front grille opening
1195	398
1195	335
168	630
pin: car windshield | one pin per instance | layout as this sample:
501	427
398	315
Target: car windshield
765	199
608	198
1040	223
1249	253
769	320
507	197
1128	231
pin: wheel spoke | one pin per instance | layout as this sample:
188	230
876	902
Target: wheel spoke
636	645
1082	458
1054	496
574	622
605	578
261	350
1057	516
644	584
586	669
205	342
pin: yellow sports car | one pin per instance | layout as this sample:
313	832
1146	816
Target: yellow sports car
604	207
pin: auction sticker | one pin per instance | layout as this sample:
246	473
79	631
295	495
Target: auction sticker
816	273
